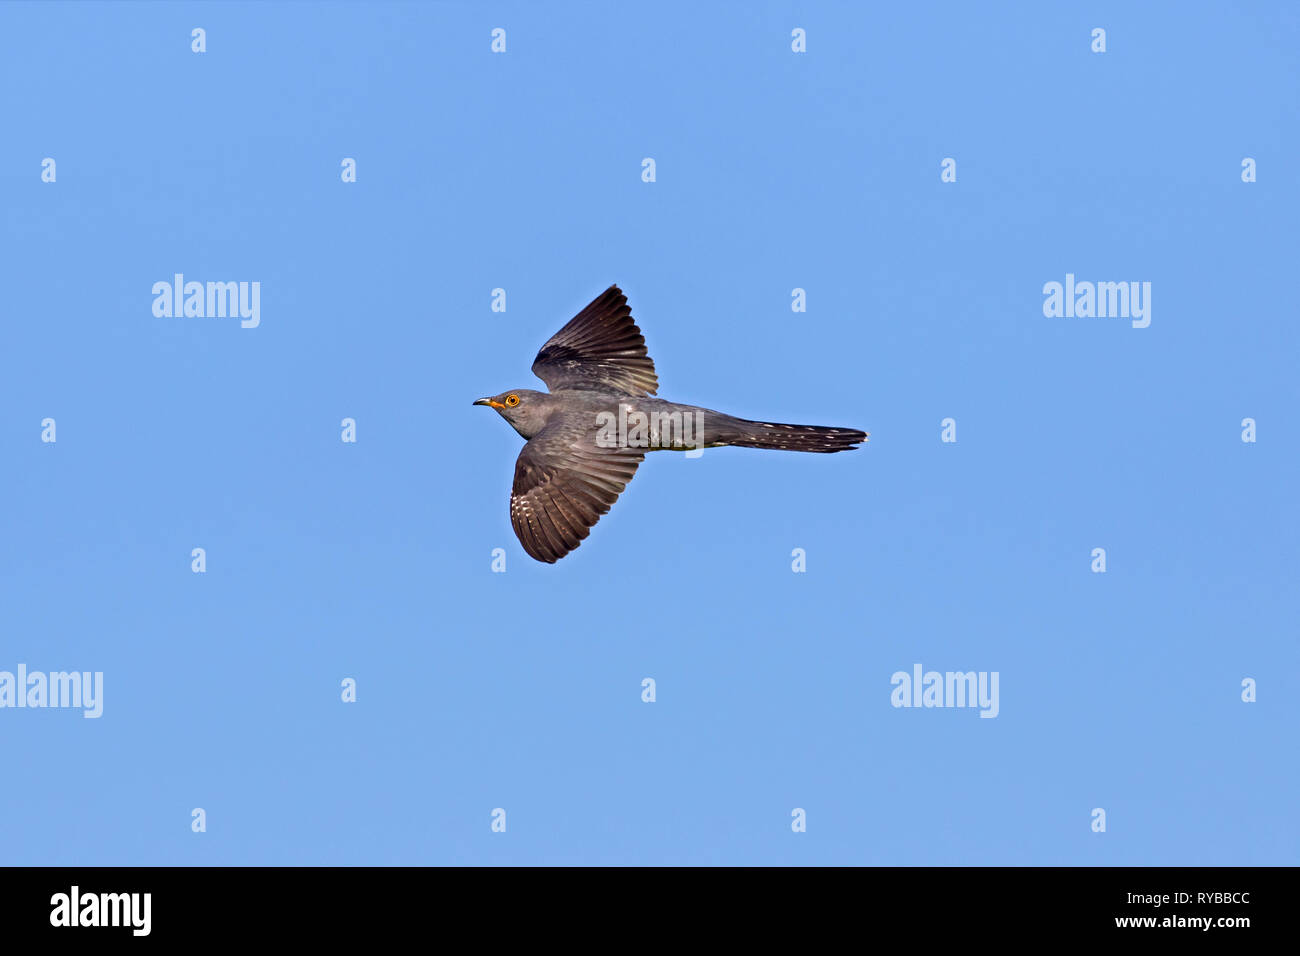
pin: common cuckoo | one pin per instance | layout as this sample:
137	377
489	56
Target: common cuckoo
586	436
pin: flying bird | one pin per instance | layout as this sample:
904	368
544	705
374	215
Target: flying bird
587	435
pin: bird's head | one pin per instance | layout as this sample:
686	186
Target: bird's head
525	409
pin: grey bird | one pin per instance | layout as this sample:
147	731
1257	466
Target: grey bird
586	437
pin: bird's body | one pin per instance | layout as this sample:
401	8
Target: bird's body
588	407
586	437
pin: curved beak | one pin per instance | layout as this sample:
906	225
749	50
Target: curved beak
489	402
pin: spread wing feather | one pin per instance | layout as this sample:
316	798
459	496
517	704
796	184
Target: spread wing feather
599	348
563	483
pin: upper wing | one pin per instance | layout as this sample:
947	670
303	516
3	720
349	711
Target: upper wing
564	482
600	347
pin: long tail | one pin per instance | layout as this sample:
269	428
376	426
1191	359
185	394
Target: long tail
815	438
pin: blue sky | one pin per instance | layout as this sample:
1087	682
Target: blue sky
521	690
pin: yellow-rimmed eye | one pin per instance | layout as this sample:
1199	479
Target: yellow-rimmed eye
512	400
